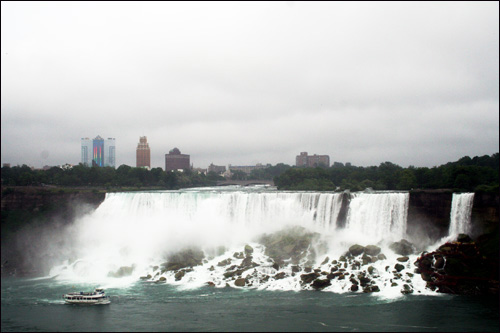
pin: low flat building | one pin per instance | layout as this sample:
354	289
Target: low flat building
247	168
218	169
174	160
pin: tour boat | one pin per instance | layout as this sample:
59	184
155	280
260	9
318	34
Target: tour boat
95	297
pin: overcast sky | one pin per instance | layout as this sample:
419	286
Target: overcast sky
413	83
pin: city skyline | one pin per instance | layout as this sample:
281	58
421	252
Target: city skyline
413	83
302	159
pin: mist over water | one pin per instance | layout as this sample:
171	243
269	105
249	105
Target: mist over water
139	230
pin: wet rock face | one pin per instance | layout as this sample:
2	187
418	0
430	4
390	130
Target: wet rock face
291	243
319	284
459	268
372	250
185	258
403	247
356	250
429	213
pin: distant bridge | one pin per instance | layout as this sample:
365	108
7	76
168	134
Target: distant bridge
245	182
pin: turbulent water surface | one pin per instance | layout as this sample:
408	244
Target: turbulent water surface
124	244
36	305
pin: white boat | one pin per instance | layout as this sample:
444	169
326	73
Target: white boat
95	297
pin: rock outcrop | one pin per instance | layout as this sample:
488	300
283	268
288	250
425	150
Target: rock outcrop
462	267
291	245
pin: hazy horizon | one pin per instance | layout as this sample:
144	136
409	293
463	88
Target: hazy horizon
241	83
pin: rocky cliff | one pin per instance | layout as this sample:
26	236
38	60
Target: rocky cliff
31	213
429	214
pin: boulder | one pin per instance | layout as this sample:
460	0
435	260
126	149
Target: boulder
439	263
464	238
238	255
406	289
290	243
402	247
224	262
240	282
248	250
399	267
319	284
179	275
356	249
189	257
247	263
308	278
372	250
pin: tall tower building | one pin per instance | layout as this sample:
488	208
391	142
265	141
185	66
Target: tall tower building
86	151
109	152
143	153
98	152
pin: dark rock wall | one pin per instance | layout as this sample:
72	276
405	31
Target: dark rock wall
485	213
29	216
344	209
429	214
37	200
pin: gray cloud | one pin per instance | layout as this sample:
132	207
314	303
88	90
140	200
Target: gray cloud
241	83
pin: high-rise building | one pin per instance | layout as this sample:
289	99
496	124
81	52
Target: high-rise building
305	160
109	155
98	152
86	151
143	153
174	160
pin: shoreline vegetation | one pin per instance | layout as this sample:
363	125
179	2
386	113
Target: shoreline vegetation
478	174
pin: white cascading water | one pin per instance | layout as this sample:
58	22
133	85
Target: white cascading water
378	216
139	230
460	215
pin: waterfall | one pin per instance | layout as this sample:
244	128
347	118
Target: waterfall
460	216
131	235
378	216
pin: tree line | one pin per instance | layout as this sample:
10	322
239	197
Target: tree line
108	177
466	174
